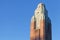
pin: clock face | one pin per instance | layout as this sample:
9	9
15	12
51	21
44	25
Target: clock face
37	14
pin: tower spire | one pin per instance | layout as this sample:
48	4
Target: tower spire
40	24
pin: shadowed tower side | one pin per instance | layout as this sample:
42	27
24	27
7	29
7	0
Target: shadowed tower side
40	28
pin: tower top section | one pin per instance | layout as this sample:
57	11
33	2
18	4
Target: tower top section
40	14
40	8
41	5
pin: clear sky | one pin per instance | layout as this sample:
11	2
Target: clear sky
15	16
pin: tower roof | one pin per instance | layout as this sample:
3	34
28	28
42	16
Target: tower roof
41	5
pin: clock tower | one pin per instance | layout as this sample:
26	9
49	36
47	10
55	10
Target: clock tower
40	28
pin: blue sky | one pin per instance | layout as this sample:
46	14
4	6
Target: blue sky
15	17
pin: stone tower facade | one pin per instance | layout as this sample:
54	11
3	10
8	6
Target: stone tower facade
40	28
